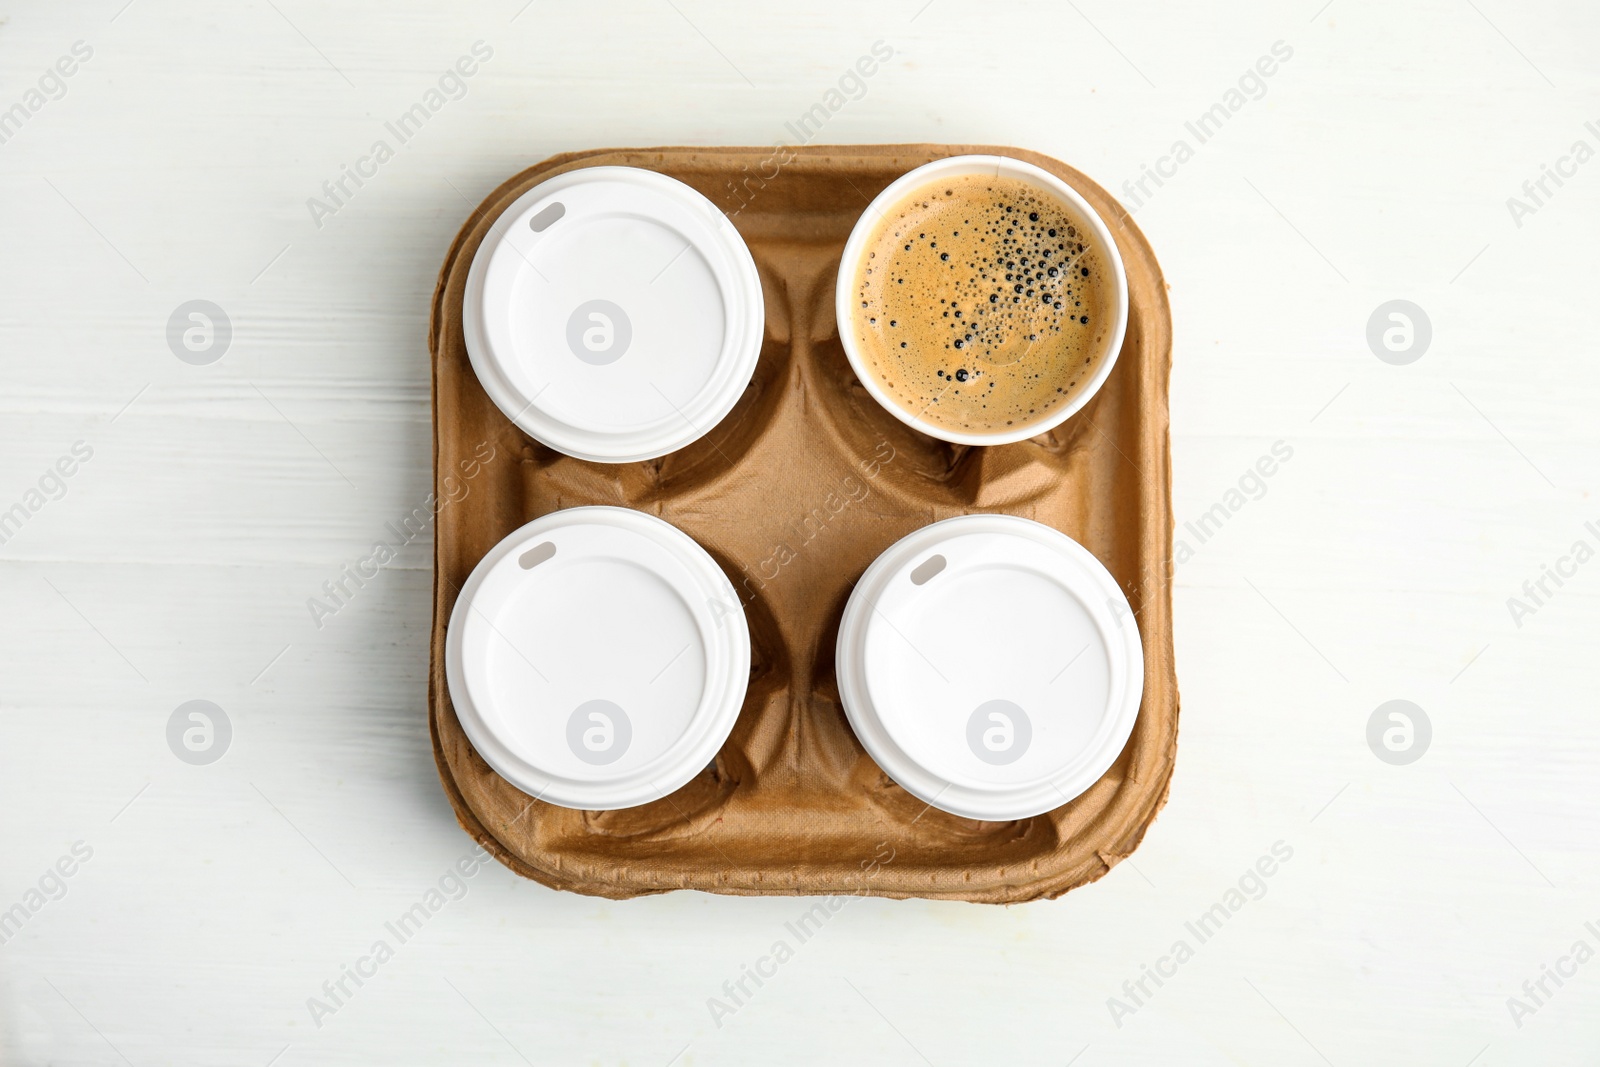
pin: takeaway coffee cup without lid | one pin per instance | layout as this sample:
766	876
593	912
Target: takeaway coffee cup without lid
597	658
613	313
901	189
991	666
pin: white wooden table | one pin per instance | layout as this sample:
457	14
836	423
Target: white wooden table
207	905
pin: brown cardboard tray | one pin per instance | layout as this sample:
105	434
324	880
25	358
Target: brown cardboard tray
803	484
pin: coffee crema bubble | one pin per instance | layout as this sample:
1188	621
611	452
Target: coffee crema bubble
980	304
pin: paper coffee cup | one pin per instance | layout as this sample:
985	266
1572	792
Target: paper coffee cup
991	666
613	314
846	306
597	658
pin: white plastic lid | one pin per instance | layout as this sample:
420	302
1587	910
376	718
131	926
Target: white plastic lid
991	666
613	314
597	658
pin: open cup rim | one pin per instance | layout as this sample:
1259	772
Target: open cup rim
999	166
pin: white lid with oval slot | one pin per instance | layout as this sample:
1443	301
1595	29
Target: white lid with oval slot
597	658
991	666
613	314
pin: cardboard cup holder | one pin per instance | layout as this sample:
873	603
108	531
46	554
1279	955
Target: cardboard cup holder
794	493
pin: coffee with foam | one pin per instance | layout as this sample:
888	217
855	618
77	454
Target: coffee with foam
980	304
